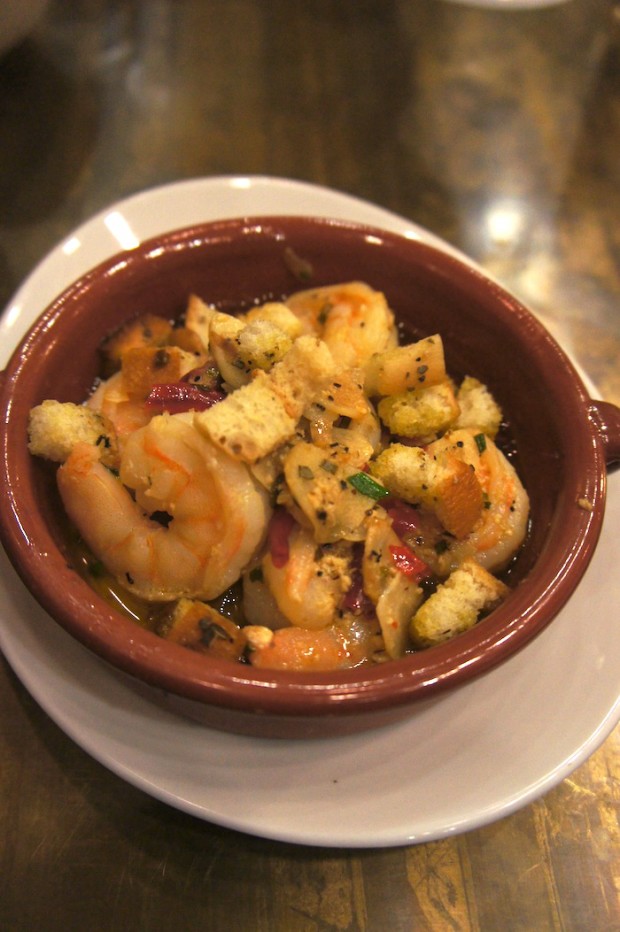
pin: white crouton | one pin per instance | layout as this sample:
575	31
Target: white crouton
55	427
456	605
258	637
277	314
478	409
256	418
402	368
262	344
442	484
240	348
421	413
223	332
198	317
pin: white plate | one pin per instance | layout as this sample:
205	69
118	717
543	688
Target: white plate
466	759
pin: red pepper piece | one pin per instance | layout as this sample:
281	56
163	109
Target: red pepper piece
355	599
408	563
278	535
405	518
177	397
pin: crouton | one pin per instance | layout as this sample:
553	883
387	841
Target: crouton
147	330
456	605
198	317
403	368
277	314
444	485
145	366
55	427
261	344
478	409
422	413
241	348
256	418
199	626
223	332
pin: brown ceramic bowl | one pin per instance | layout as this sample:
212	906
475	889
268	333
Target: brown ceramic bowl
564	441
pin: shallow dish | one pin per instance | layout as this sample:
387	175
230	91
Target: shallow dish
563	437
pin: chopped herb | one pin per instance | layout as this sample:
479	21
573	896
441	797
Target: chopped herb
161	359
210	630
481	442
304	472
328	466
324	313
365	484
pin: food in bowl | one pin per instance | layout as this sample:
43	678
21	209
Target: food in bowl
288	486
563	439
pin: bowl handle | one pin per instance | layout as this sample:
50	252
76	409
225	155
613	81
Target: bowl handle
606	418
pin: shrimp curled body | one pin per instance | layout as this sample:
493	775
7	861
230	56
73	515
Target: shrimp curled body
214	515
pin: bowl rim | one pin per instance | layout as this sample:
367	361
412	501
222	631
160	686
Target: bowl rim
144	655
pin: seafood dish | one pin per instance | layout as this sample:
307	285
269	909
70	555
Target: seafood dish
289	486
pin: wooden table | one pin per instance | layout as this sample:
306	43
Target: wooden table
497	130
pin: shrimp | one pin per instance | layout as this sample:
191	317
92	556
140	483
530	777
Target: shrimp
309	587
502	525
346	643
353	319
182	519
126	414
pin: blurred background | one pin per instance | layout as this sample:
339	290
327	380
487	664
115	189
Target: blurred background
496	129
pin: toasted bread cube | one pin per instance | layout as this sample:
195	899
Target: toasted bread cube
277	314
147	330
55	427
478	409
421	413
444	485
403	368
197	625
143	367
262	344
456	605
198	317
256	418
240	348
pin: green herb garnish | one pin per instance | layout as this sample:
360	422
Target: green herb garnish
481	442
365	484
